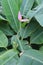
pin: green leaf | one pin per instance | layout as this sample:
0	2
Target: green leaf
39	12
3	40
11	11
26	6
39	1
35	13
34	31
8	56
31	57
19	3
29	29
37	36
12	61
41	49
39	19
4	26
0	8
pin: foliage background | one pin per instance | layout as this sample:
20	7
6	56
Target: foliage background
21	43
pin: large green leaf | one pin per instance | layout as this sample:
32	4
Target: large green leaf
11	11
3	40
8	57
31	57
35	13
26	6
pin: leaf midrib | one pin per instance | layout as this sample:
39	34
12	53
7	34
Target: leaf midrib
9	59
33	58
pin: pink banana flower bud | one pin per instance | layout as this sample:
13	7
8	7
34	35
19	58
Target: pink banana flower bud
20	18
